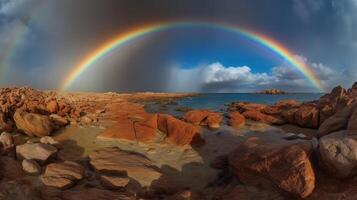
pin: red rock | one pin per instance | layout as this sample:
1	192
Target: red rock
114	182
307	116
246	106
178	132
286	166
337	121
289	115
220	162
287	104
236	119
260	117
204	118
33	124
352	122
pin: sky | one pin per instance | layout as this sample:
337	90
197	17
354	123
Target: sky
41	41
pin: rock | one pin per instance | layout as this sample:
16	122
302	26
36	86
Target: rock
246	106
307	116
289	115
114	182
260	117
18	190
52	106
6	141
117	161
273	91
220	162
336	122
36	151
95	194
338	154
57	182
236	119
284	165
204	118
86	120
352	122
33	124
288	104
48	140
58	120
31	167
62	175
179	132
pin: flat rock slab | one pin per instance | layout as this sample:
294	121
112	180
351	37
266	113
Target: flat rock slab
62	175
37	151
114	160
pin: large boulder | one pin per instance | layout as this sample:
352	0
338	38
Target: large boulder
62	175
6	142
204	118
338	154
36	151
261	117
283	165
33	124
154	128
307	116
336	122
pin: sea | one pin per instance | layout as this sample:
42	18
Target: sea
220	101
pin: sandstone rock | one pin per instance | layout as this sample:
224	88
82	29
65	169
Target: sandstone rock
204	118
260	117
31	167
178	132
285	165
62	175
246	106
307	116
57	182
338	154
58	120
117	161
336	122
114	182
86	120
6	141
48	140
52	106
236	119
33	124
289	115
36	151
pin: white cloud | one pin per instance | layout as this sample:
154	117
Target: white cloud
217	77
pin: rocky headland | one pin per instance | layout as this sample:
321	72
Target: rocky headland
108	146
273	91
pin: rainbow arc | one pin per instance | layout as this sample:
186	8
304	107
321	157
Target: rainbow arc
277	48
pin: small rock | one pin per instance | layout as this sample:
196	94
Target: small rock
58	120
37	151
113	182
31	166
48	140
62	175
86	120
6	141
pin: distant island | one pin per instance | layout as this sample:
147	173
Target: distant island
273	91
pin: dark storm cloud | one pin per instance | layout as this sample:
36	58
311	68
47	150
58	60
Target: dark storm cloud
323	31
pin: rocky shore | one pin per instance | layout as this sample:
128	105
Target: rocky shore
107	146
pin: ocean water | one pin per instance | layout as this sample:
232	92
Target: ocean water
218	101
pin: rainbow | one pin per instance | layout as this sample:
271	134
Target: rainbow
262	40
